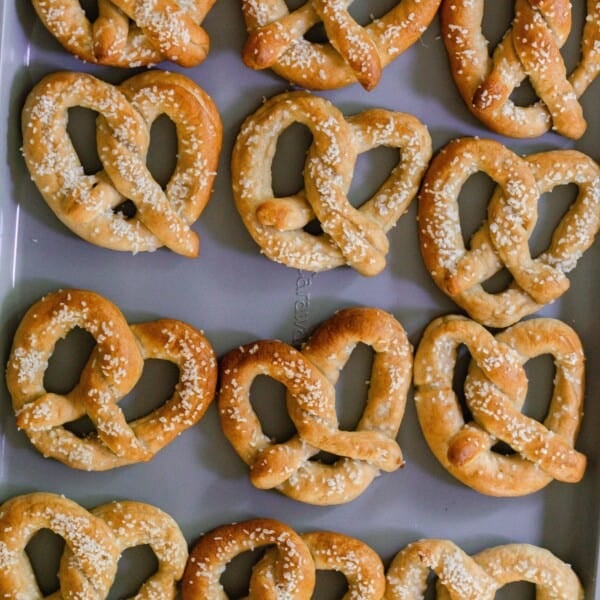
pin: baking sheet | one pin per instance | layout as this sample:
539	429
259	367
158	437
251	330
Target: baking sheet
236	295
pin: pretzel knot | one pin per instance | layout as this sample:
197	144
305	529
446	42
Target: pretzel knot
530	49
503	239
130	33
310	377
495	390
92	205
356	237
112	370
353	53
478	577
94	543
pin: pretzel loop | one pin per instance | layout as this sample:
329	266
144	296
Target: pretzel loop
480	576
89	204
351	236
310	376
114	367
503	238
495	391
353	52
130	33
529	49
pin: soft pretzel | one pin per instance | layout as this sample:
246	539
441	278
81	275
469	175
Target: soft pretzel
356	237
495	390
290	574
502	240
94	543
310	376
112	370
478	577
332	551
130	33
89	204
529	49
353	53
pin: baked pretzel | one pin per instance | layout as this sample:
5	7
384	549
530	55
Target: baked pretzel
130	33
478	577
112	370
529	49
94	543
495	390
89	205
310	376
502	240
290	574
331	551
353	53
356	237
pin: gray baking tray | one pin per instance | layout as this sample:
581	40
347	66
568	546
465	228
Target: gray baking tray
236	295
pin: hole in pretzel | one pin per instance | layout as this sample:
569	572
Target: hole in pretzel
352	387
540	375
330	585
136	565
90	8
496	21
162	152
551	209
518	590
571	51
371	170
268	401
497	283
524	94
366	12
289	159
127	209
463	358
325	458
44	551
317	34
473	201
81	128
236	577
67	361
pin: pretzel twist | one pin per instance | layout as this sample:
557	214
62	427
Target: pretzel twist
112	370
529	49
130	33
502	240
290	574
90	205
356	237
310	376
94	543
495	390
478	577
353	53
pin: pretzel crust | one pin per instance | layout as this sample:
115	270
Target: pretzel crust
530	48
356	237
290	575
480	576
354	53
89	204
113	369
130	33
502	239
309	377
495	391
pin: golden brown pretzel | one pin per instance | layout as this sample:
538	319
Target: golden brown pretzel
290	575
503	238
331	551
94	543
113	369
309	377
356	237
495	391
130	33
530	49
354	53
88	204
478	577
